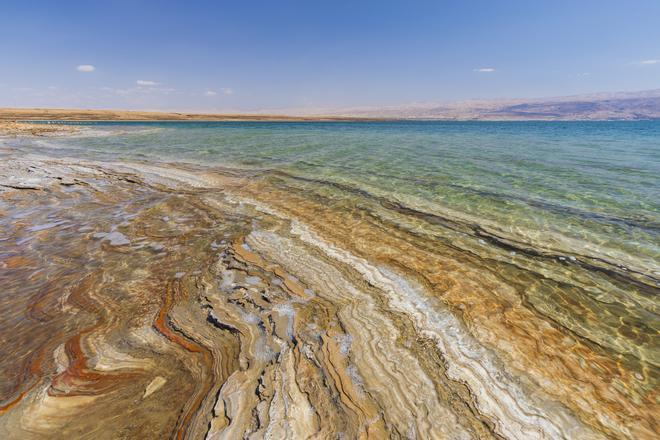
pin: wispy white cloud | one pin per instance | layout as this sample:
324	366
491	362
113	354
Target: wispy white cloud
225	91
146	83
139	91
648	62
484	69
85	68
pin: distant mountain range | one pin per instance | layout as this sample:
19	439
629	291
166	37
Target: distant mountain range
599	106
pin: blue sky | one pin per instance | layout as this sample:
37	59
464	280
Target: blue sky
221	55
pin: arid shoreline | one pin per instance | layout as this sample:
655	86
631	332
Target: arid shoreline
39	114
17	121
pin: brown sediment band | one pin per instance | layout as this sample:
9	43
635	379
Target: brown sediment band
647	284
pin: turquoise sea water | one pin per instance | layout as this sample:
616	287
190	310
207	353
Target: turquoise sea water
574	187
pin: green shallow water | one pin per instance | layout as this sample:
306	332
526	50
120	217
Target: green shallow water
573	188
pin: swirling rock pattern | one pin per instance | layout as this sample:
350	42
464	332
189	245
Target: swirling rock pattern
144	301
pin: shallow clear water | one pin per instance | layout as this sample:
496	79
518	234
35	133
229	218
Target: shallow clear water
574	187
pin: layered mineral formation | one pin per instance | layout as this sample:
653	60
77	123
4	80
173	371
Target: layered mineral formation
143	301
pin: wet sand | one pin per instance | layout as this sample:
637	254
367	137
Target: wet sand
156	301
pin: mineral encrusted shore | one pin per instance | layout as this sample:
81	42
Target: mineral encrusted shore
157	301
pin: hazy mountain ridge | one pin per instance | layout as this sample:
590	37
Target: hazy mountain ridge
641	105
598	106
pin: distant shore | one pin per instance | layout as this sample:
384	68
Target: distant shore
16	121
633	106
43	114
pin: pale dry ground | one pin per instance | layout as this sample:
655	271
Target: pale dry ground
24	114
11	128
